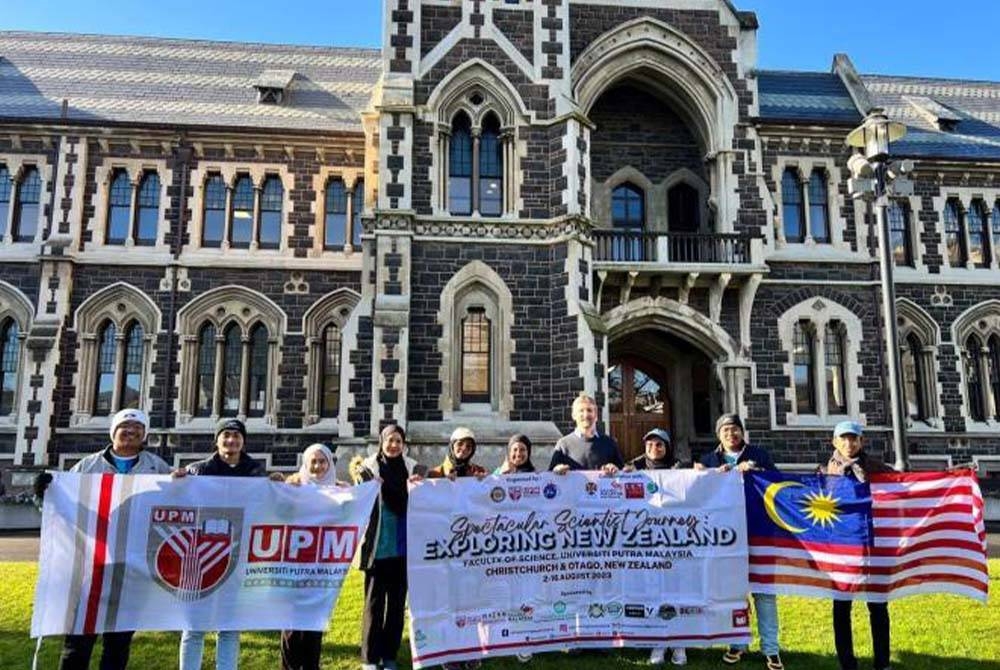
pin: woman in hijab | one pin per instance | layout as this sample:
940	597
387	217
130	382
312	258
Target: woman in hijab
518	457
458	463
300	649
383	552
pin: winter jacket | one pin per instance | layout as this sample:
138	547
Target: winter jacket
102	462
446	467
639	463
758	455
216	467
368	471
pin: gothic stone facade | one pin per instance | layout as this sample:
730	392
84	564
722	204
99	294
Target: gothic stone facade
510	204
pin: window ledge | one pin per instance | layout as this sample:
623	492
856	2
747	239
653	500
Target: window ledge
328	425
815	420
206	424
800	252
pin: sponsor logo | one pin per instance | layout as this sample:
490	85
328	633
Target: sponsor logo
532	491
524	613
666	612
591	488
613	609
514	492
278	543
741	618
559	607
635	490
497	494
192	551
550	491
596	610
651	487
634	611
564	628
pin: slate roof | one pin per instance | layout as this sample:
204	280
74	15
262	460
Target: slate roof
818	97
976	103
181	82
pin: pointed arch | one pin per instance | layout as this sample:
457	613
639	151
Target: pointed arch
477	76
118	302
324	325
914	319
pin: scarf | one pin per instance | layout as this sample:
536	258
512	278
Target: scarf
394	477
842	465
329	478
665	463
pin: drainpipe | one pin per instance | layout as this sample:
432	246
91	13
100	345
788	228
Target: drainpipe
182	156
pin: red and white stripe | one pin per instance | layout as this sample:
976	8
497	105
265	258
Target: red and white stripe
929	537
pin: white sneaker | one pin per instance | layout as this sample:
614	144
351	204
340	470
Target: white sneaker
657	655
524	658
679	656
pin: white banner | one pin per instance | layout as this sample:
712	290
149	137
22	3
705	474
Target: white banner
537	562
147	552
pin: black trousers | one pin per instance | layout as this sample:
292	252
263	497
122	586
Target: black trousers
77	649
300	649
385	603
843	637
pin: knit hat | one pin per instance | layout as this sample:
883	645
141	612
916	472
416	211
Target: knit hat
136	415
728	420
230	424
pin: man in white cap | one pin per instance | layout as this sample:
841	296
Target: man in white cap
124	456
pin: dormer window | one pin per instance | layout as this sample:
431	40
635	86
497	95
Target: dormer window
273	86
934	112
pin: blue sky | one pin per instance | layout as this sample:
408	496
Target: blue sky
916	37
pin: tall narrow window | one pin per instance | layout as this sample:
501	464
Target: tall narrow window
241	225
330	385
29	193
357	207
6	186
836	391
899	233
819	206
994	222
131	378
119	208
257	383
476	357
232	369
335	215
979	235
148	216
993	345
269	230
954	234
106	359
10	355
913	378
974	378
804	364
793	213
214	219
490	168
460	166
206	371
628	215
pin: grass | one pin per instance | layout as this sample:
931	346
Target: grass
928	633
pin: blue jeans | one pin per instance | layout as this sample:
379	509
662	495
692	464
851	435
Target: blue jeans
766	606
227	649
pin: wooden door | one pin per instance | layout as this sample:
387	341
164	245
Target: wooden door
638	402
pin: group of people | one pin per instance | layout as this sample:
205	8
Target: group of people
382	555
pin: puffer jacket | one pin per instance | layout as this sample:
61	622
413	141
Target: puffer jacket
103	463
216	467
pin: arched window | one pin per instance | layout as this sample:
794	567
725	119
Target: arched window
979	235
232	369
29	193
899	233
954	234
460	166
819	206
257	382
10	356
793	213
214	213
106	355
204	403
148	216
974	378
330	384
241	224
6	186
119	208
476	357
993	345
357	207
335	232
836	390
804	363
130	392
269	229
490	168
914	378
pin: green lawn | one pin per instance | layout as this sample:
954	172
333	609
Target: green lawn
931	632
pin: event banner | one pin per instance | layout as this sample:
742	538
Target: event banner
535	562
148	552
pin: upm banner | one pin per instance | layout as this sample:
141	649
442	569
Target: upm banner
536	562
148	552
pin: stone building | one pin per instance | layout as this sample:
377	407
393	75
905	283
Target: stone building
509	204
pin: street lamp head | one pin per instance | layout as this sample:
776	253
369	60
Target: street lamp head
875	134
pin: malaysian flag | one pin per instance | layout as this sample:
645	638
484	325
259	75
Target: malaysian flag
900	534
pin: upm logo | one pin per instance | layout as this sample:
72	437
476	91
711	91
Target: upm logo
302	544
191	550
